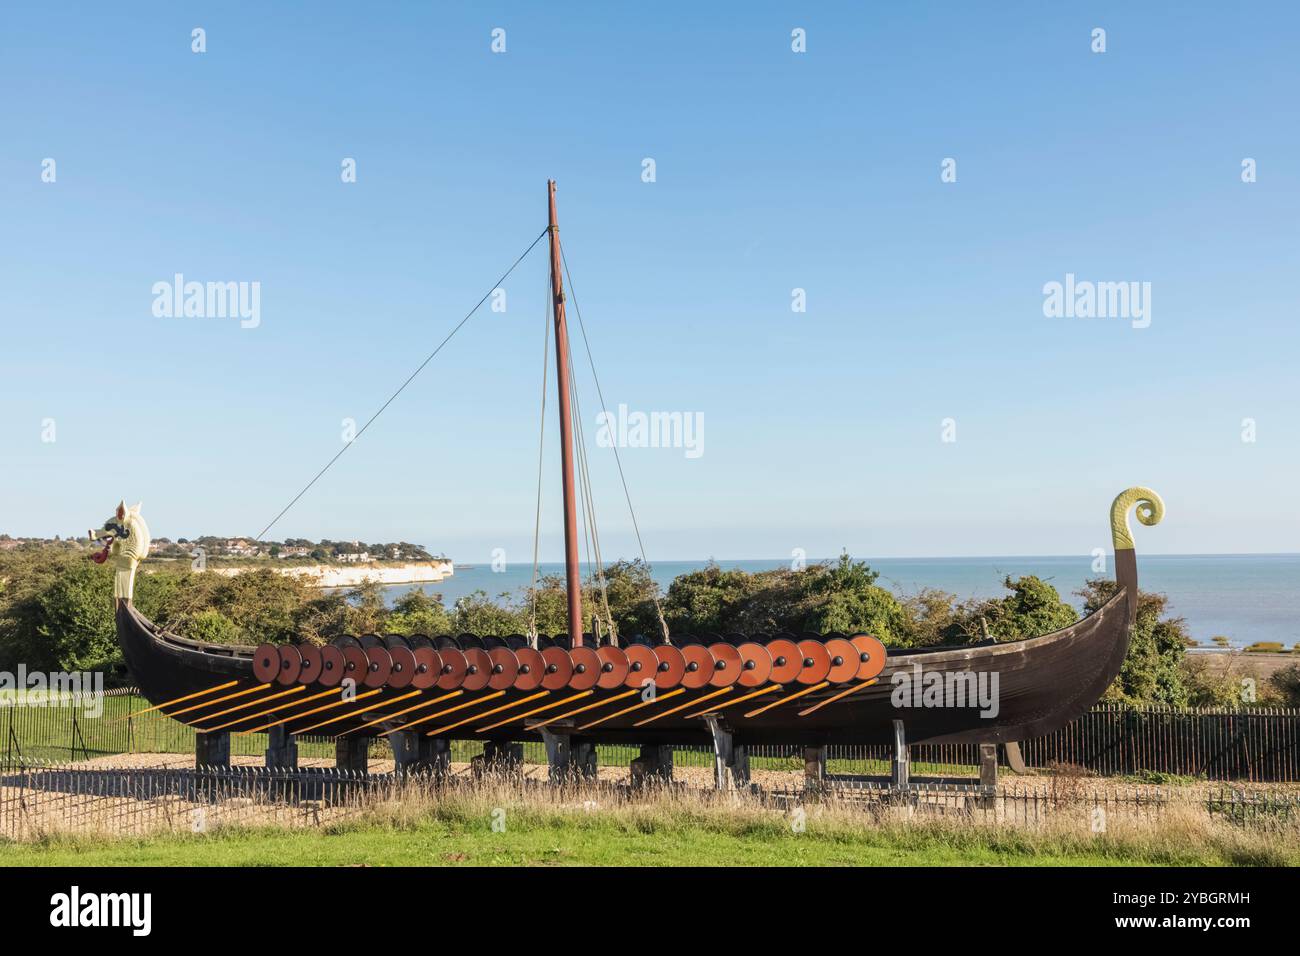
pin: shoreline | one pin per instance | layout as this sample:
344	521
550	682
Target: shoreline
335	576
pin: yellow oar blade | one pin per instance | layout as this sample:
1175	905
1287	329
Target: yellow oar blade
785	700
270	710
405	710
252	703
535	710
338	703
222	699
443	713
571	713
689	703
332	692
628	710
489	713
178	700
732	703
840	696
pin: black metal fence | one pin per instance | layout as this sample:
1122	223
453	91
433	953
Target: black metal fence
1261	745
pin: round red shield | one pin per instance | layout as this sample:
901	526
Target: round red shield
586	668
844	660
787	662
428	668
871	656
504	667
355	663
479	669
613	666
311	663
816	662
699	666
532	668
452	673
726	667
290	664
641	664
403	667
755	664
266	663
558	668
379	664
671	666
332	666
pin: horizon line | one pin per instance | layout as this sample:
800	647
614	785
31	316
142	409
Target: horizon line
926	557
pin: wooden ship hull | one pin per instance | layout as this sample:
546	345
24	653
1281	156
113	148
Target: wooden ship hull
1031	687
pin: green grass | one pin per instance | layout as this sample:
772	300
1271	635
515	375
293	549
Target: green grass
440	843
432	828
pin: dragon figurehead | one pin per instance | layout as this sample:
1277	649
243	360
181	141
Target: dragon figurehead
125	539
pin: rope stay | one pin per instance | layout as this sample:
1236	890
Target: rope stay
589	511
541	454
401	388
627	495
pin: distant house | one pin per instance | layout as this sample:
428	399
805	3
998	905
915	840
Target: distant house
355	557
294	552
242	548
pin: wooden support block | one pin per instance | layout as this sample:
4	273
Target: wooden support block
988	765
352	754
814	767
212	749
653	765
281	749
415	752
900	770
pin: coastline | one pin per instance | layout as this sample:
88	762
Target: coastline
336	576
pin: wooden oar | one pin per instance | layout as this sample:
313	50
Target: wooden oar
252	703
535	710
178	700
785	700
449	710
689	703
571	713
628	710
489	713
316	710
732	703
221	699
339	703
840	696
405	710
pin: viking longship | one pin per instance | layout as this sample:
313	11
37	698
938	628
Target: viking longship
602	686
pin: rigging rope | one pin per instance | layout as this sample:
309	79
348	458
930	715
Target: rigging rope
659	611
589	508
496	285
541	448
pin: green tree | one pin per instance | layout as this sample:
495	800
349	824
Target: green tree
415	612
1286	683
1033	608
476	613
1152	672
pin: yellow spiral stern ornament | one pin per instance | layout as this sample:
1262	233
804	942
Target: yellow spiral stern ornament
1150	511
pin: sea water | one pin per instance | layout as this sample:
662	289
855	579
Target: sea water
1246	598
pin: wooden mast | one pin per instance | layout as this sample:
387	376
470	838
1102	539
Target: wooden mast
571	574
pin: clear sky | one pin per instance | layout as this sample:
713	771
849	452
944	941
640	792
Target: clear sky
775	170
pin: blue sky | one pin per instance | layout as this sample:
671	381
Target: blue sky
775	170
